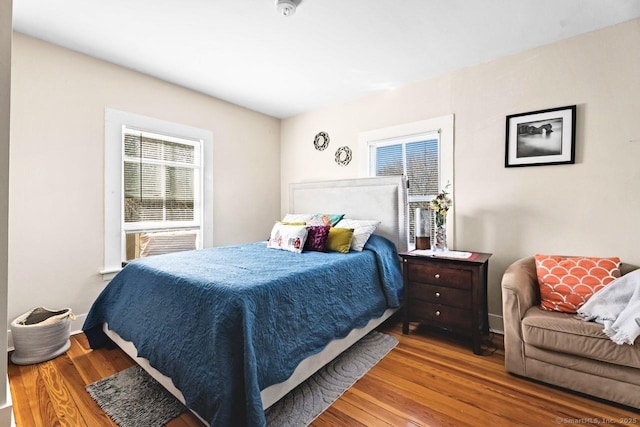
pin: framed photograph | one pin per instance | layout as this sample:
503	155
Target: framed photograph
545	137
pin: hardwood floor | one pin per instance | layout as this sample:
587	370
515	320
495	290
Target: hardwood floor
428	380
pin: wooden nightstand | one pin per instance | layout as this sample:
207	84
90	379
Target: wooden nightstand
448	293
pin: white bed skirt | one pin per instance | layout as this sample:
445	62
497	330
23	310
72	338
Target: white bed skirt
275	392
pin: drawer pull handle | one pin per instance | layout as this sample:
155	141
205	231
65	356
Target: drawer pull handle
437	276
437	294
438	313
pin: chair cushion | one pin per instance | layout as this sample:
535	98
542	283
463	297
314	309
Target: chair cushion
565	333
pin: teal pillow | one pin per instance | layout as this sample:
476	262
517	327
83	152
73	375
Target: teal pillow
325	219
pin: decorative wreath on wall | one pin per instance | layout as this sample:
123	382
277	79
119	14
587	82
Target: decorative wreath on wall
343	156
321	141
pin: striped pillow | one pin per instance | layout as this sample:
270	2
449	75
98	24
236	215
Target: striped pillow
362	230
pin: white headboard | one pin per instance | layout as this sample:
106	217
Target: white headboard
377	198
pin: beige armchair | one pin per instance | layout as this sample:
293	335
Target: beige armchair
557	348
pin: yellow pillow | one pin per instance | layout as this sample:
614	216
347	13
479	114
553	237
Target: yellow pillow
339	239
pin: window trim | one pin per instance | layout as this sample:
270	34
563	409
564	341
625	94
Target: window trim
115	121
442	125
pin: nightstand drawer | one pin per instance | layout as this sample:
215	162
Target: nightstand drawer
438	275
441	315
441	295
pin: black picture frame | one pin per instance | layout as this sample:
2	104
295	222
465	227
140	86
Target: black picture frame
544	137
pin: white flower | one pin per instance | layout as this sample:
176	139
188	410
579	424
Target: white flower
441	205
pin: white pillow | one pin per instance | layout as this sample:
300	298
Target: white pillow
287	237
297	217
362	230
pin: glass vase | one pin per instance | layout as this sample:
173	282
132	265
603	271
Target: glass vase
439	233
422	228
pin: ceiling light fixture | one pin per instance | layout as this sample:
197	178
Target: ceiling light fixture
286	7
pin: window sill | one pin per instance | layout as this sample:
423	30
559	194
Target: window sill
109	273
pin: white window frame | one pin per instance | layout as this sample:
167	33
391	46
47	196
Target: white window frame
115	122
414	131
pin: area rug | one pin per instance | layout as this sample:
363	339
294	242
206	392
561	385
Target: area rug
133	399
306	402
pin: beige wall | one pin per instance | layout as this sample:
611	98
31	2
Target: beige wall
56	242
5	89
590	208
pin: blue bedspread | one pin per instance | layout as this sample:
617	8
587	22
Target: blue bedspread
227	322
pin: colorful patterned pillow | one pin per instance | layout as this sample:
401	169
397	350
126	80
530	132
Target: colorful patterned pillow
339	239
287	237
317	238
362	230
566	283
325	219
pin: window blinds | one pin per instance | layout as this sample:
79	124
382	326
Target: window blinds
161	181
418	158
423	164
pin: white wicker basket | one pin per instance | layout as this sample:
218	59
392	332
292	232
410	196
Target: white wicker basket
40	334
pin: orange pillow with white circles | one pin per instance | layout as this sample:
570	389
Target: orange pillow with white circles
566	283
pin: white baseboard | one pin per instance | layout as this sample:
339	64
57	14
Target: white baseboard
76	325
496	324
76	328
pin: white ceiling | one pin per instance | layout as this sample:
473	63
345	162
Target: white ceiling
328	52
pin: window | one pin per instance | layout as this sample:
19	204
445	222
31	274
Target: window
162	181
422	152
417	158
158	188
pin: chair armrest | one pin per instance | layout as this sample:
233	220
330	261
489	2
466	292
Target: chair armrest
520	292
520	279
627	268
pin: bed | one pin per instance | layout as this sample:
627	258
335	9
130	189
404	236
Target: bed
211	325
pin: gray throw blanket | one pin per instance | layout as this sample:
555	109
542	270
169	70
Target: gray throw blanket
617	307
